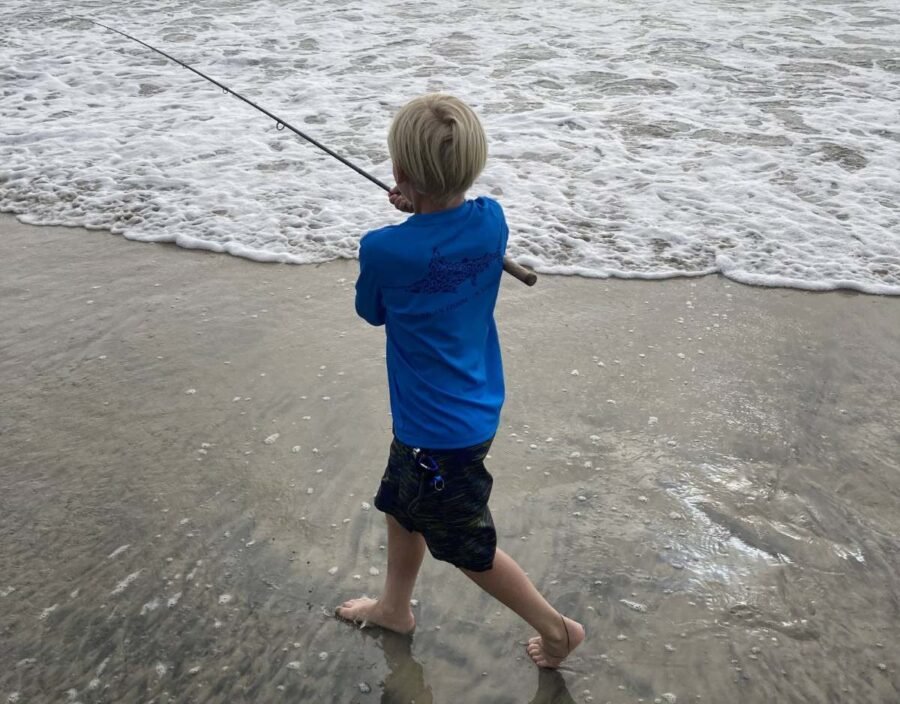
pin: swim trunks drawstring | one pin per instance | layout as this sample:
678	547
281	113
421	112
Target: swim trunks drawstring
429	464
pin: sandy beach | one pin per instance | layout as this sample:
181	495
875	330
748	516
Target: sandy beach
707	475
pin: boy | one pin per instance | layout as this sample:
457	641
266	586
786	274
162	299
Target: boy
432	281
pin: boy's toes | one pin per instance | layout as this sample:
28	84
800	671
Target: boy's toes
543	655
356	610
539	657
535	652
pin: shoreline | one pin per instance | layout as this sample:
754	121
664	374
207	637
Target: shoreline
188	443
752	280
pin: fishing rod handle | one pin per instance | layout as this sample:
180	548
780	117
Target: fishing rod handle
526	276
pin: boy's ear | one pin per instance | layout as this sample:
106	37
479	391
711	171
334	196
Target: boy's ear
399	175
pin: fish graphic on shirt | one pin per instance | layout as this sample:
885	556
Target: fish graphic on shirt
444	275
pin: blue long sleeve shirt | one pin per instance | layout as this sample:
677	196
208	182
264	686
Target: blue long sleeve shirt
432	281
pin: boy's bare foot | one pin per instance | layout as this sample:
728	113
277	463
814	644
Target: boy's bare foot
550	650
366	611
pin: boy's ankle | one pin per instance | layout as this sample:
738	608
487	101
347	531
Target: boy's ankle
556	631
394	608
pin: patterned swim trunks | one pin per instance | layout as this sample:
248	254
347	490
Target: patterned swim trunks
443	494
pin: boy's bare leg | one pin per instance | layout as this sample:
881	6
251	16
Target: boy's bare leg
508	583
392	610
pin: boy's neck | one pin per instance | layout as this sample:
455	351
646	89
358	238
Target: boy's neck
424	204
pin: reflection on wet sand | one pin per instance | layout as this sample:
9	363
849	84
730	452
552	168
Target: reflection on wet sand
405	680
551	689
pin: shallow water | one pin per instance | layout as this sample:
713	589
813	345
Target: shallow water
716	502
627	139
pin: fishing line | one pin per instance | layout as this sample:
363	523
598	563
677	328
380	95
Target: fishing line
279	123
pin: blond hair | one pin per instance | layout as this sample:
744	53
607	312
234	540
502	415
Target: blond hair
438	142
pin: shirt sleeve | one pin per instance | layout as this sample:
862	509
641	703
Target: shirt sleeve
369	301
504	242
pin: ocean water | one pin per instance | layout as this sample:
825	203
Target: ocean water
648	140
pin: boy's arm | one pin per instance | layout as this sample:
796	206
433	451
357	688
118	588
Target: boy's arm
369	303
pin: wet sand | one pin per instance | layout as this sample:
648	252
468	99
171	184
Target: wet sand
705	474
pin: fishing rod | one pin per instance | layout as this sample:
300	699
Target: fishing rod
509	266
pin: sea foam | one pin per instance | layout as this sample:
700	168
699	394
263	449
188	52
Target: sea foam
641	140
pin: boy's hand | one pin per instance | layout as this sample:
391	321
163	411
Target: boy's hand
399	201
